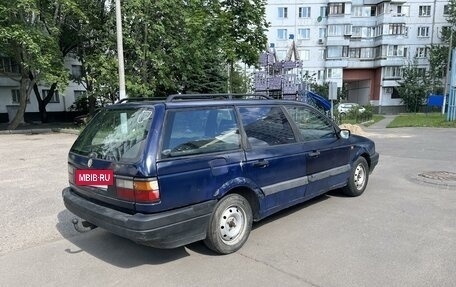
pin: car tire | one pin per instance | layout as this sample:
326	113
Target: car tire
359	176
342	115
230	224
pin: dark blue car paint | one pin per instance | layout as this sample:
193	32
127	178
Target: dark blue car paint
185	181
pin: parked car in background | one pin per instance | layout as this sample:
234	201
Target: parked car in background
345	108
166	173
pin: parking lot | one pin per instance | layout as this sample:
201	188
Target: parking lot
400	232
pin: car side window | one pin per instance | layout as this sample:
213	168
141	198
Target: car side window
190	132
311	125
266	126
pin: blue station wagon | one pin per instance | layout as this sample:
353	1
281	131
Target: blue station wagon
204	167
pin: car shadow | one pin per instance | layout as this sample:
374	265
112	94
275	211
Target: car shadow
290	210
124	253
111	248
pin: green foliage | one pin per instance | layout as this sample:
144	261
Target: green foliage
354	116
438	59
31	34
323	89
421	120
82	105
170	46
413	88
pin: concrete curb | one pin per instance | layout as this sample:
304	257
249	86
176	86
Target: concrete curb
40	131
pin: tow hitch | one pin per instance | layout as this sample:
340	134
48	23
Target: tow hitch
85	226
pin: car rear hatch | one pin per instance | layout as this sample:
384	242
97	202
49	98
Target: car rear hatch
107	165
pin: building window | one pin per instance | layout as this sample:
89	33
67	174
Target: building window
367	53
355	52
55	98
7	65
397	50
446	10
304	33
422	52
380	9
335	30
79	94
76	71
322	33
281	34
334	73
397	29
336	8
323	11
304	12
392	72
283	12
334	52
425	10
357	11
321	54
304	55
421	71
445	31
423	31
395	94
15	96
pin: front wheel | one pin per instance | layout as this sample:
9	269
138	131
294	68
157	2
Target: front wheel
230	224
358	179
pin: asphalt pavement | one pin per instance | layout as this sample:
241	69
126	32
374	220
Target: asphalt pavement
400	232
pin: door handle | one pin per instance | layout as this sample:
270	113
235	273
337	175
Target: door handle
314	153
261	163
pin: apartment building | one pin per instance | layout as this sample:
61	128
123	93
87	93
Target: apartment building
57	108
361	44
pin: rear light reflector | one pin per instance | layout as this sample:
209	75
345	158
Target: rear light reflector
71	174
138	190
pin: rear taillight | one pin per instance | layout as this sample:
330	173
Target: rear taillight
71	174
138	190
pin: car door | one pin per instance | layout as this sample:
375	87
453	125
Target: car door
327	155
275	161
200	152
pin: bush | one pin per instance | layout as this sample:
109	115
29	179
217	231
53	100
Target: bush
355	116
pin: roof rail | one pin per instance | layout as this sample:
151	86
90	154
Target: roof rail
216	96
141	99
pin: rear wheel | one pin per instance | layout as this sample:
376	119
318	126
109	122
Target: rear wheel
230	224
358	179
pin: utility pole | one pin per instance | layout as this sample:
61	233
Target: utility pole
120	56
447	78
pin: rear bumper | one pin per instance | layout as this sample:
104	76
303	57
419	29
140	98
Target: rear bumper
167	229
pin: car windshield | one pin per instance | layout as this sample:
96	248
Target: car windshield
115	134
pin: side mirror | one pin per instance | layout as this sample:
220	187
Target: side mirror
345	134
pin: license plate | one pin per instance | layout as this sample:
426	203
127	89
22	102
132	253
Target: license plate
94	177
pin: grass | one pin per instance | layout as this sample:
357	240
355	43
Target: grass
434	120
375	118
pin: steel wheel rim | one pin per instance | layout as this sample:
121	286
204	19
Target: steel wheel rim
232	225
360	177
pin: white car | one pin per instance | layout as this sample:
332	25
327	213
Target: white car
344	108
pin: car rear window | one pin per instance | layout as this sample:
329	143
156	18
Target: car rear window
115	134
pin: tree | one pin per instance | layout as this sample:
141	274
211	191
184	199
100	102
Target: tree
413	88
241	27
438	58
438	54
97	51
30	36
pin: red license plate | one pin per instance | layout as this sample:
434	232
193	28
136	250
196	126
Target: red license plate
97	177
